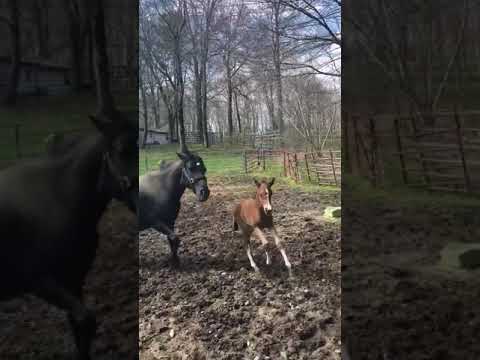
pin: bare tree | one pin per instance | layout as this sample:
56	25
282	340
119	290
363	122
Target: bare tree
12	23
234	58
319	34
78	30
143	100
231	43
163	48
277	9
105	101
200	17
40	15
390	43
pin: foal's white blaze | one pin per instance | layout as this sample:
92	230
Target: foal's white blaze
267	207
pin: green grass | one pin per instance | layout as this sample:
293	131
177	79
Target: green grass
216	159
38	117
225	165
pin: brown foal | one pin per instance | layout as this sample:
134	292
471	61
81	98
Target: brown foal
255	215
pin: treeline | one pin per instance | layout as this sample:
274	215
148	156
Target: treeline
241	66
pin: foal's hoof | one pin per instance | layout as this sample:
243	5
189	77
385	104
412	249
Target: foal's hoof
290	275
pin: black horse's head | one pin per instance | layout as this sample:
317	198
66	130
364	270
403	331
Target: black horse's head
193	174
119	172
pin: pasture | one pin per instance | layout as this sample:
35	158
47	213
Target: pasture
36	118
215	306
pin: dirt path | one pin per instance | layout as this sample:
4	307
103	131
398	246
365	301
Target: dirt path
215	307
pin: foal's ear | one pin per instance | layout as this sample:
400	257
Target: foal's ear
271	182
256	182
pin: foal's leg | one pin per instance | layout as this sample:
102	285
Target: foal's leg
279	245
246	241
82	320
173	240
261	236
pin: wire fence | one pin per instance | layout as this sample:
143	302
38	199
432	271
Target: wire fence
320	168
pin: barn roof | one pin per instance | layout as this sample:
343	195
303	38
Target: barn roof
37	63
155	131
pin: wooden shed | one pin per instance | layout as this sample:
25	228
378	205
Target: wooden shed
37	78
154	136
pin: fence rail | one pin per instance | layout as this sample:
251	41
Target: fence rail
441	158
269	140
322	168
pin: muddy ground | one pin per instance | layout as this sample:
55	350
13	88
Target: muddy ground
32	330
398	303
216	307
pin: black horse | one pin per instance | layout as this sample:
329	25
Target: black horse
59	145
49	211
160	192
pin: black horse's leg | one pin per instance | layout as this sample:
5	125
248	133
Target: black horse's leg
82	320
173	240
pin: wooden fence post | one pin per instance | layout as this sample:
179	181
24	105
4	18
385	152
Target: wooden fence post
18	152
245	164
284	163
296	166
400	151
333	168
466	174
421	156
289	165
308	169
263	158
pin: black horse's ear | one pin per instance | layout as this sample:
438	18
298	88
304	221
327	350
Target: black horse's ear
256	182
182	156
106	127
271	182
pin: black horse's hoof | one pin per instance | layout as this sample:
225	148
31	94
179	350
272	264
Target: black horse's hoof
175	263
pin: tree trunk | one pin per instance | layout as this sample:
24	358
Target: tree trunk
39	7
238	113
204	103
104	96
229	97
145	114
170	112
270	105
198	98
14	74
179	94
76	42
156	116
277	64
